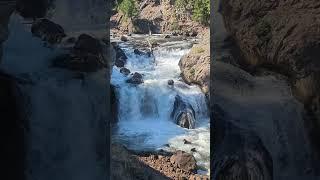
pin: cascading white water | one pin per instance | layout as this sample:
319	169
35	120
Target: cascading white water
144	110
66	139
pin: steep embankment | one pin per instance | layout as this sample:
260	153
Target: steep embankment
195	66
265	76
158	17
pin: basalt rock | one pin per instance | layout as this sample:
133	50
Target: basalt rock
125	71
121	57
183	113
48	31
136	78
170	82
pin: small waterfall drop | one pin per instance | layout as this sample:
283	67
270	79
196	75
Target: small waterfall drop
144	110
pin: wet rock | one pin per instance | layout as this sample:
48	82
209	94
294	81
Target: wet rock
170	82
193	150
135	79
88	44
124	38
120	63
184	161
125	71
48	31
138	52
183	113
121	57
186	141
167	36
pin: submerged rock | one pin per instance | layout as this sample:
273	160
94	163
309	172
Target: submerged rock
184	161
135	79
183	113
125	71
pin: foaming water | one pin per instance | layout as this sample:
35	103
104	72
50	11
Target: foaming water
144	110
66	119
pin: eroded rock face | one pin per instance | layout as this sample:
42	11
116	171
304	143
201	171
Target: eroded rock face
48	31
195	66
283	36
183	113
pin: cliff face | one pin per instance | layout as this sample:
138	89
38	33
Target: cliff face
282	36
264	80
158	17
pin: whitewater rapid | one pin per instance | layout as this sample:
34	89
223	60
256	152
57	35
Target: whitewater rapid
144	110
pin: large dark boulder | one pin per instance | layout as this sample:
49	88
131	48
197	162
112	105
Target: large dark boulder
86	56
183	113
88	44
136	78
121	57
48	31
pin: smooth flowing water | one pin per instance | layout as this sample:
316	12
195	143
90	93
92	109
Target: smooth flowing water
144	109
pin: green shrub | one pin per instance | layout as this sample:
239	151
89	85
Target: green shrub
201	11
128	8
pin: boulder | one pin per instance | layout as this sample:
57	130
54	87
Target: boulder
124	38
125	71
120	62
186	141
87	44
48	31
167	36
184	161
138	52
170	82
136	78
121	57
183	113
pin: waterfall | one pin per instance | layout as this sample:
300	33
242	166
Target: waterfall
145	122
66	139
79	15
